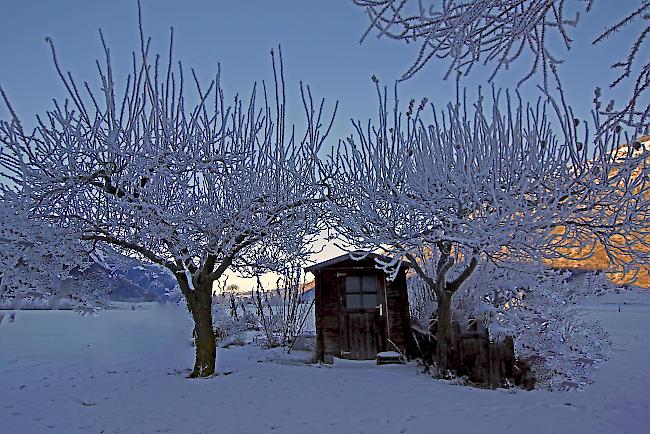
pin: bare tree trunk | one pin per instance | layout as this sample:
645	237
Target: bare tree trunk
444	334
199	303
445	294
204	339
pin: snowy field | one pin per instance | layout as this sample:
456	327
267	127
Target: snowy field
123	372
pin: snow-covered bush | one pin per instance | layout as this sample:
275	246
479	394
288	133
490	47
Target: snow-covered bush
282	312
228	329
539	307
239	311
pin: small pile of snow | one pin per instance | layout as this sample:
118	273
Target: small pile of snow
389	354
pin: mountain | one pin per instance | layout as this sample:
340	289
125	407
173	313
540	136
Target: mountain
638	273
129	279
137	281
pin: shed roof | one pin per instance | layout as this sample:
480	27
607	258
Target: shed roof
345	257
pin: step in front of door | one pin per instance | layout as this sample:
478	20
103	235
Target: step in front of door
389	357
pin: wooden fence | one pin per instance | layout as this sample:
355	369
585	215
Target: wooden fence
484	363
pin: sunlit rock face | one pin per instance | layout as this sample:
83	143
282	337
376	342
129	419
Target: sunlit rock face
593	255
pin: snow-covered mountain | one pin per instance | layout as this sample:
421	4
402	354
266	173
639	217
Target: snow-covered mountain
595	255
133	280
128	279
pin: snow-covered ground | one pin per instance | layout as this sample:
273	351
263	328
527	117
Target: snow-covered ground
123	372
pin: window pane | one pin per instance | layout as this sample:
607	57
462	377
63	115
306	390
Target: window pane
353	301
369	283
370	300
353	284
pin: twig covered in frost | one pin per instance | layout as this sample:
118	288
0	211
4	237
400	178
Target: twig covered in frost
469	32
636	111
500	32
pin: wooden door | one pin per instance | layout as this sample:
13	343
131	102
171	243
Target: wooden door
362	316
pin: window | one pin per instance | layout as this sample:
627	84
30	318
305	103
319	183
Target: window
361	292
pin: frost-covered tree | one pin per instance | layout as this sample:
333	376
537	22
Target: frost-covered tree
484	183
188	181
42	265
497	33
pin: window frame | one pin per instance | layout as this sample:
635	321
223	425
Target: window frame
361	291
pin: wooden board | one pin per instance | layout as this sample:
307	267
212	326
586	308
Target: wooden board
362	334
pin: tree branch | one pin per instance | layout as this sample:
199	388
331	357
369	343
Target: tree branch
455	284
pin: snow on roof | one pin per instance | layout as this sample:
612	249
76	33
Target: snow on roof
347	256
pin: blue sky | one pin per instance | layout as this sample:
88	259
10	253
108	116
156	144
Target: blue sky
320	43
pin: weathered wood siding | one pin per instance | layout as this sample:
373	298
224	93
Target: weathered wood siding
399	322
327	314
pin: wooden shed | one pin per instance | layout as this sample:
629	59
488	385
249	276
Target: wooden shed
359	312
